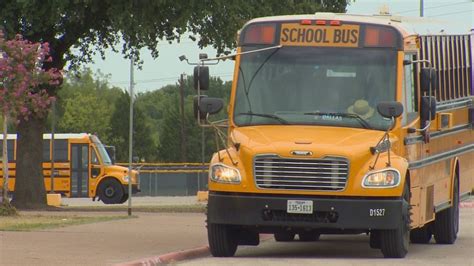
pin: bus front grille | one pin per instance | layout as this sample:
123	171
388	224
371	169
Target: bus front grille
326	174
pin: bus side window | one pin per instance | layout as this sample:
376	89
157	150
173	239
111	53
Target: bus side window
94	157
61	150
10	150
408	93
46	150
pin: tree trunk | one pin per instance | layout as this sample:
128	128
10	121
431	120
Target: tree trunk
29	186
5	159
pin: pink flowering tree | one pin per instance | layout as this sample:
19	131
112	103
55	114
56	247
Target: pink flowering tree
23	88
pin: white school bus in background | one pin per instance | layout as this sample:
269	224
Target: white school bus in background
82	168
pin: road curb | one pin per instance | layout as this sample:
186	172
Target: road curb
178	255
169	257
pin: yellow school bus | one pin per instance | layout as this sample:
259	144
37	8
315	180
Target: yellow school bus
341	124
82	168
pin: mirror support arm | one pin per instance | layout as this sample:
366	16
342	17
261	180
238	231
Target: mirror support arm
385	137
413	130
220	136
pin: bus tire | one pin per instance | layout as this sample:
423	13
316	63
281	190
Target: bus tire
284	236
110	191
222	240
446	223
124	198
421	235
394	242
309	236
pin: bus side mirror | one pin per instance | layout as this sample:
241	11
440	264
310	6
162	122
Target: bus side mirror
196	107
201	77
390	109
111	151
427	108
207	105
428	78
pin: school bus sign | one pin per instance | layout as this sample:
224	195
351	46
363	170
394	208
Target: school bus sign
294	34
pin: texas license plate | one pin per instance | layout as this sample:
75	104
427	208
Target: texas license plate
300	206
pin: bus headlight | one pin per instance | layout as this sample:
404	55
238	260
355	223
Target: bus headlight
386	178
126	178
224	174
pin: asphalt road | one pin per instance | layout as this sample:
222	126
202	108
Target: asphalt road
352	250
104	243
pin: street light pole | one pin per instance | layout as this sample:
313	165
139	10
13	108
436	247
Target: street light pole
421	8
203	146
130	141
183	130
53	129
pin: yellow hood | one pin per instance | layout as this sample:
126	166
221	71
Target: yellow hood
119	172
320	141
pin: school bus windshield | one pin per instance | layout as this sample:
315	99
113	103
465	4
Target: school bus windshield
102	151
315	86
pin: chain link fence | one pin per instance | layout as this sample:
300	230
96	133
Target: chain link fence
171	179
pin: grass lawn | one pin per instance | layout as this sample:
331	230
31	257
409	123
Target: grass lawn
29	222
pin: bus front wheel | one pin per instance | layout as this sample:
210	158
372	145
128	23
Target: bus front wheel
111	191
223	240
124	198
394	243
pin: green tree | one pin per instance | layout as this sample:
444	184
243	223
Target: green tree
83	111
169	124
170	134
86	104
93	26
143	145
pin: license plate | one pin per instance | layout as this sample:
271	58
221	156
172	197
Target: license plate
300	206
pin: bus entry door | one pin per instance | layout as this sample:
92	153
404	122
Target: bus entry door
80	170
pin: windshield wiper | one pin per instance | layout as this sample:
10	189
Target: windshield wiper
279	119
361	120
247	88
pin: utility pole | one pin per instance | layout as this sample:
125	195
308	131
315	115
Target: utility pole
53	122
421	8
203	151
130	141
183	131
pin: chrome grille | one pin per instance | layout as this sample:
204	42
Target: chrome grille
273	172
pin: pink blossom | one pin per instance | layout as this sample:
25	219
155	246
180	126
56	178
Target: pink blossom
19	75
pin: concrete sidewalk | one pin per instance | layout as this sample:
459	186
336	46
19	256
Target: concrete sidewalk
105	243
136	201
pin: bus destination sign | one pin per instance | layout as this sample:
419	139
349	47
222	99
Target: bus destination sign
294	34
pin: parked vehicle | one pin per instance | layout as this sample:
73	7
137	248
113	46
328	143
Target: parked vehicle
341	124
81	166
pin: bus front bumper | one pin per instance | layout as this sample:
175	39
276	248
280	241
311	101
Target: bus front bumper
328	213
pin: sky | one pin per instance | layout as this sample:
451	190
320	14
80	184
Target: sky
167	68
